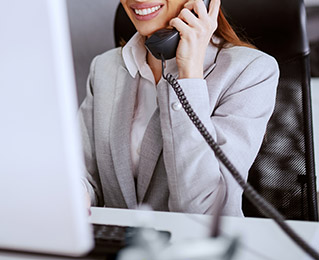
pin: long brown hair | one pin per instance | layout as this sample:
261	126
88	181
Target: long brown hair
228	35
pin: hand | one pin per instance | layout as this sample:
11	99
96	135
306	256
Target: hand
195	33
88	202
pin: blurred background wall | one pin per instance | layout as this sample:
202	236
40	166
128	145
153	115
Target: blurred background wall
91	27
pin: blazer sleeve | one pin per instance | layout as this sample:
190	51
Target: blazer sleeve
86	118
235	115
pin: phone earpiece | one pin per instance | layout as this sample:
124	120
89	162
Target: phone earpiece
164	42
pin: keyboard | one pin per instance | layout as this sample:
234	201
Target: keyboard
110	239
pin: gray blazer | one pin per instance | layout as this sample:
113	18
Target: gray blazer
177	170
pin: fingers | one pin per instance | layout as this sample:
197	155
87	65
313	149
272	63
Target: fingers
203	18
200	9
187	24
188	17
88	202
198	6
180	25
214	7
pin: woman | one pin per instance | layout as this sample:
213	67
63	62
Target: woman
140	146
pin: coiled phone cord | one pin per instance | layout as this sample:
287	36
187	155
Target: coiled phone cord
257	200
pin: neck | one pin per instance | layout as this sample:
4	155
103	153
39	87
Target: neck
155	65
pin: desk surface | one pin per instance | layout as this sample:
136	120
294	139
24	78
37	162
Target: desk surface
311	2
260	239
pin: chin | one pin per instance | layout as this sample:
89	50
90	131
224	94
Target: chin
148	30
146	33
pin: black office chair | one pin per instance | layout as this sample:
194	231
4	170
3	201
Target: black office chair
284	171
313	34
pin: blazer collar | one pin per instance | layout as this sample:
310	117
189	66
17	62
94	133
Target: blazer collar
124	102
152	143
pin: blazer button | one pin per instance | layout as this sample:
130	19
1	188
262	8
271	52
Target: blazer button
177	106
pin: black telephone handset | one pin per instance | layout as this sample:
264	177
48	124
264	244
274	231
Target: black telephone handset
164	42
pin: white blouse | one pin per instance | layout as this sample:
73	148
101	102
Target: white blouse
134	55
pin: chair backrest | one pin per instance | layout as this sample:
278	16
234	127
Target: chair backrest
313	34
284	171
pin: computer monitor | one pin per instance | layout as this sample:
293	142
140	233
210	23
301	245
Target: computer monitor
42	207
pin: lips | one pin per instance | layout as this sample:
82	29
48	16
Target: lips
146	12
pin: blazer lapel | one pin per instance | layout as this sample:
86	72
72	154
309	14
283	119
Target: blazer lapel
151	148
120	132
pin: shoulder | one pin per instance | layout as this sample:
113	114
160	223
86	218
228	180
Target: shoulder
104	69
239	69
108	61
111	57
240	59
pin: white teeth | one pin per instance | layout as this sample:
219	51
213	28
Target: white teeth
147	11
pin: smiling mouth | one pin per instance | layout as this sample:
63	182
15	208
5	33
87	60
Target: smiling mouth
147	11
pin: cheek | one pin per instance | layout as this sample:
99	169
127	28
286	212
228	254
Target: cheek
175	6
125	5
